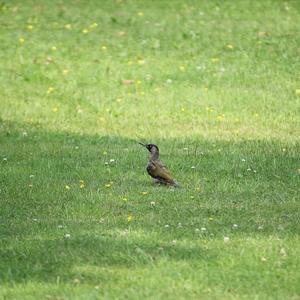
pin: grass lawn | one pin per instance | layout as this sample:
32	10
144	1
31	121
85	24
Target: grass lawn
215	84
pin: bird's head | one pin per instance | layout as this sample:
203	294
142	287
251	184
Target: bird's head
151	147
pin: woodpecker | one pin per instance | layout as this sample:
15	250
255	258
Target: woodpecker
156	168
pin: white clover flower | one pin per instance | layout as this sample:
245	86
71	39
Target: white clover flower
197	230
243	159
193	167
234	226
24	134
167	226
152	203
179	225
203	229
111	160
67	236
60	226
174	242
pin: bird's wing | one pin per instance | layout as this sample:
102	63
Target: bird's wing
161	171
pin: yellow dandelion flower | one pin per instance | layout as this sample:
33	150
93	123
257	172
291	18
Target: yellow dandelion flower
220	118
144	193
182	109
21	40
129	94
124	199
81	181
84	31
129	218
68	26
94	25
67	187
129	62
138	82
229	46
104	48
142	94
297	91
65	72
108	185
29	27
256	115
55	109
298	170
50	90
140	62
119	100
140	14
53	48
182	68
82	185
210	218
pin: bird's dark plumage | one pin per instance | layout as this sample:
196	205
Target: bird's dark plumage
156	167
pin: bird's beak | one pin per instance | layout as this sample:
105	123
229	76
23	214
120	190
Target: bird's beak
142	144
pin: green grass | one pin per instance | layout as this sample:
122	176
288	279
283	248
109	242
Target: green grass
220	100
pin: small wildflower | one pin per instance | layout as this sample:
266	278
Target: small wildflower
104	48
94	25
144	193
182	68
129	218
243	159
152	203
129	94
104	153
106	163
107	185
4	159
68	26
24	134
203	229
283	149
298	170
260	227
35	219
297	91
67	236
192	197
50	90
53	48
140	14
124	199
140	62
138	82
229	46
31	176
142	94
76	147
55	109
197	230
60	226
210	218
169	81
234	226
167	226
30	185
82	185
84	31
129	62
179	225
226	239
193	167
182	109
111	160
29	27
21	40
67	187
174	242
65	71
198	189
